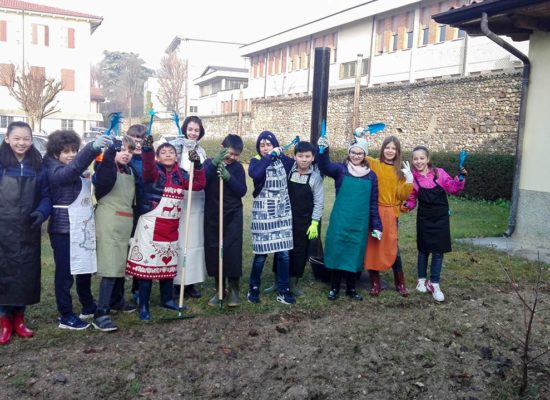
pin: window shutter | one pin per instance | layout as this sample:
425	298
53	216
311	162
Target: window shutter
34	39
70	39
3	33
67	80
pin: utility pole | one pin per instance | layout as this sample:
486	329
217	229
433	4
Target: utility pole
356	94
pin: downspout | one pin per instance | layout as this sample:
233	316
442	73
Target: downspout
521	123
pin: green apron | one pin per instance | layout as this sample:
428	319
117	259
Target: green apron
348	228
114	217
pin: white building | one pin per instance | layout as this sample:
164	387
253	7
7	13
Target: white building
53	42
198	55
398	40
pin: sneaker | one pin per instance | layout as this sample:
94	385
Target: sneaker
421	285
125	308
437	294
72	322
104	324
285	297
333	295
353	295
88	314
253	295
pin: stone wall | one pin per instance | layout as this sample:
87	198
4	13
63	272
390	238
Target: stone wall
477	113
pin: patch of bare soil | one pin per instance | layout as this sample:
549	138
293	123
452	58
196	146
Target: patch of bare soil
385	348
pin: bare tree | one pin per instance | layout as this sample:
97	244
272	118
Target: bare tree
34	92
171	78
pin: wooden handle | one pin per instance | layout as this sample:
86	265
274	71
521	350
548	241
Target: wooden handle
220	255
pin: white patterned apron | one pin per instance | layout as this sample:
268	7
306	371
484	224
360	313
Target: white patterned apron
271	213
154	248
82	231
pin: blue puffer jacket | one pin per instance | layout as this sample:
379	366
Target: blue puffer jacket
65	185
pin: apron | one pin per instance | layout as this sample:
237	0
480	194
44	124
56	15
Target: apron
348	228
82	247
154	247
271	213
19	245
114	219
301	199
196	266
383	253
232	229
433	232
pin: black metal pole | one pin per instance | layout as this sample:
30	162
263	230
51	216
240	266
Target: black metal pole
319	99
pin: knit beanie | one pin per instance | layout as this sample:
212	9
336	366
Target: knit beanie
360	143
266	135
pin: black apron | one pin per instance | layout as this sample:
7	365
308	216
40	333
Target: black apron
433	232
232	230
301	201
19	245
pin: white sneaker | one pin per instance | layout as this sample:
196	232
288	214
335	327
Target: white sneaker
437	294
421	285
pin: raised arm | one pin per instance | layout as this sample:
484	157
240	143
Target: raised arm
327	167
62	174
450	185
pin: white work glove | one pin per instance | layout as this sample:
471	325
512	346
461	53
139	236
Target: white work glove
407	172
102	141
276	151
376	234
179	142
322	141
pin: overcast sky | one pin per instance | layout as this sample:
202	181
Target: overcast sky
148	27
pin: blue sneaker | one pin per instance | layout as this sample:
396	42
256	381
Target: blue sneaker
72	322
285	297
253	295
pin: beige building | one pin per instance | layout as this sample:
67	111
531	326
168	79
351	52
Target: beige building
54	42
525	20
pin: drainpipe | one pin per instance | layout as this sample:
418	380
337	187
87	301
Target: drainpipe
521	123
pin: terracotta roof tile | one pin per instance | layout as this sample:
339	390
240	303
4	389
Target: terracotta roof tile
39	8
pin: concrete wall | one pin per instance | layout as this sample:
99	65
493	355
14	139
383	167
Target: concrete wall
534	200
477	113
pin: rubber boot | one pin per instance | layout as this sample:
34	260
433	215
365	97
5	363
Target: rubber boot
19	326
234	300
374	277
167	294
215	300
144	296
293	286
6	329
399	280
272	288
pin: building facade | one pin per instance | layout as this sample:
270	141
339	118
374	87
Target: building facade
52	42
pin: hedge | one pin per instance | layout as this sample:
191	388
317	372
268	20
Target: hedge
490	175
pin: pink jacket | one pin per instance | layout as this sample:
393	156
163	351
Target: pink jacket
449	185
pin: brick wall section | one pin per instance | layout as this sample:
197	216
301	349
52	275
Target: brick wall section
477	113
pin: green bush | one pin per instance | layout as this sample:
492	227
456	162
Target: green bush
490	175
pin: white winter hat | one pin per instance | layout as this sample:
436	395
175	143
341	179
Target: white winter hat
360	143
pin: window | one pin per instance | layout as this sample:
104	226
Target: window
70	38
67	124
409	34
347	70
5	120
380	36
40	34
425	18
461	33
7	73
194	109
38	72
294	58
304	55
3	31
442	32
231	84
394	34
67	80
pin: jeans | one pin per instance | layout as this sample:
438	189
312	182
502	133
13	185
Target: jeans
397	265
282	270
63	279
106	287
435	268
11	310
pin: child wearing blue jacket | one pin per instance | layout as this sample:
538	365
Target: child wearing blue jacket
24	205
271	215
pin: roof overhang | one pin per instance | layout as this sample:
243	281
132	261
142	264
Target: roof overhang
517	19
218	75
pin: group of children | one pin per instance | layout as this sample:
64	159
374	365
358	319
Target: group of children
139	223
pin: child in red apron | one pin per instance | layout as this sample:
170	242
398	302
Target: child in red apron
72	224
433	233
24	204
394	187
154	248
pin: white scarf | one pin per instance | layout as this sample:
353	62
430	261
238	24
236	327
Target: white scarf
357	170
